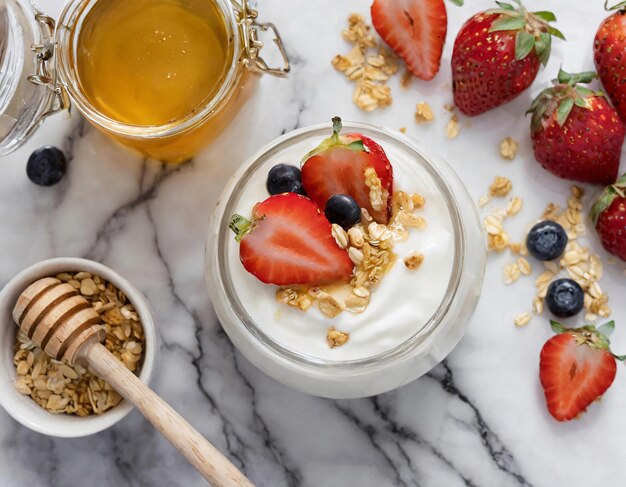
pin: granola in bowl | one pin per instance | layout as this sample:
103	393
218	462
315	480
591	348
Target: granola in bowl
61	388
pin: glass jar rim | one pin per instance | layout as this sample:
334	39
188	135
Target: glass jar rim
389	356
69	78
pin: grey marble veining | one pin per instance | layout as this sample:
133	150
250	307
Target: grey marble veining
478	419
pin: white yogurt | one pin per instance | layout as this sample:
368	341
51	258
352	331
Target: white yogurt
401	304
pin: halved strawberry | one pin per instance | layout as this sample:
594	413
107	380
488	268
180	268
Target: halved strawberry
415	30
338	166
289	241
576	368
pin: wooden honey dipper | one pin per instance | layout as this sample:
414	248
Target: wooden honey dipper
63	323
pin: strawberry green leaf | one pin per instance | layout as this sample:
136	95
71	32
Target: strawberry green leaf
458	3
505	6
556	33
240	225
542	47
557	327
602	203
538	114
585	92
547	16
607	329
508	23
563	76
524	43
563	111
621	358
356	146
582	103
621	182
538	108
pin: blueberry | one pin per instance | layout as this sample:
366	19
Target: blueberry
284	178
546	240
343	210
46	166
565	298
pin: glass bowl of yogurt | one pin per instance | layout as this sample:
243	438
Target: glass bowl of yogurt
414	317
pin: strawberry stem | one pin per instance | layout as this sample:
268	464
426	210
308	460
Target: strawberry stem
336	129
619	6
240	225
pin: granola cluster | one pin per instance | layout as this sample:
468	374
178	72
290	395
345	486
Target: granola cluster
370	247
508	148
368	64
60	388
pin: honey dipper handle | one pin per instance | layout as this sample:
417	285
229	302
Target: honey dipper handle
213	466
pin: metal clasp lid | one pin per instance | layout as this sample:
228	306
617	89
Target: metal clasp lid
43	75
252	45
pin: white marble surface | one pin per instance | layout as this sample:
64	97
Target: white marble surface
478	419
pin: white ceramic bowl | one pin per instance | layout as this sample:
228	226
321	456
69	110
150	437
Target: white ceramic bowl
23	408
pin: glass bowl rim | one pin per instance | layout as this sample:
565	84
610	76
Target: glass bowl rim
400	351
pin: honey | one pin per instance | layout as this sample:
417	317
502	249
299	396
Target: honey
152	62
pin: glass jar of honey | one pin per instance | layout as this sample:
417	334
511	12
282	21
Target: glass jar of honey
162	76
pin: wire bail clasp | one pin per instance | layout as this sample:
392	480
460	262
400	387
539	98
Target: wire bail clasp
249	28
43	75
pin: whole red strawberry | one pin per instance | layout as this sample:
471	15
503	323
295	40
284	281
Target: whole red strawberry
497	54
609	217
609	49
576	367
576	133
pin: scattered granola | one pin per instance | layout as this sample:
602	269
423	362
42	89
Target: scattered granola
369	71
369	245
60	388
500	187
295	297
522	319
376	194
423	113
514	206
414	260
406	78
484	200
336	338
329	305
453	128
340	236
577	261
512	273
508	148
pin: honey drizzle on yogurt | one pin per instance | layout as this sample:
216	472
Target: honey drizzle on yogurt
370	247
